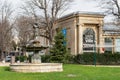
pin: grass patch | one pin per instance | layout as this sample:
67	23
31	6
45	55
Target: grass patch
71	72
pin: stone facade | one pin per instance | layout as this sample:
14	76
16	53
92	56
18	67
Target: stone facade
76	24
43	67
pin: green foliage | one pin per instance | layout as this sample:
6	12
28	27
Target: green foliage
58	51
71	72
30	58
86	58
45	58
68	58
21	58
104	59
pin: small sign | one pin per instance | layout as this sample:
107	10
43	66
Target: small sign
64	31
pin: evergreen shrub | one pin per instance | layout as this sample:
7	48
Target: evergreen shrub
58	52
21	58
102	59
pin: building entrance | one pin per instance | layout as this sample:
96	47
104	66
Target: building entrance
88	40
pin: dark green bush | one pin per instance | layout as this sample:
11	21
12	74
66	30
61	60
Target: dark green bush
21	58
86	58
57	59
30	58
58	52
104	59
45	58
68	58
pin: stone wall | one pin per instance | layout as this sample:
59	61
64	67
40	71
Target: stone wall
76	24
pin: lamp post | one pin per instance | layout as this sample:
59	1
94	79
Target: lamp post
94	48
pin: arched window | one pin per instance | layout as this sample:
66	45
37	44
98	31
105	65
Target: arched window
88	40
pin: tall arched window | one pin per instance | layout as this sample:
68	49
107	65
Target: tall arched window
88	40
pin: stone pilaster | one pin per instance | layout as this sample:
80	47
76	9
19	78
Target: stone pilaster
113	43
73	39
81	39
101	39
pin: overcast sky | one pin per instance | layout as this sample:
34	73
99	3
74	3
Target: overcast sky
85	5
77	5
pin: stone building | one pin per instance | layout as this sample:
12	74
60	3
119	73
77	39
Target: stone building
84	32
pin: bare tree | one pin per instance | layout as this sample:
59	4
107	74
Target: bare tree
24	29
111	7
50	10
5	26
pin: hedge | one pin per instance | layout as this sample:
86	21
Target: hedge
102	59
21	58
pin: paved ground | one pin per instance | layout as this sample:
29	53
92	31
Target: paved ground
4	64
7	64
104	65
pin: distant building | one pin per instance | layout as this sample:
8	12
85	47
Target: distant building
86	32
112	36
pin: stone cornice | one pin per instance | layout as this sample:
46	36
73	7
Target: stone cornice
81	14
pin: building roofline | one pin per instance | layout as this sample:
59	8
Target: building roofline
91	13
83	13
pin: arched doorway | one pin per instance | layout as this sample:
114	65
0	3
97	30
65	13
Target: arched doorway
88	40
